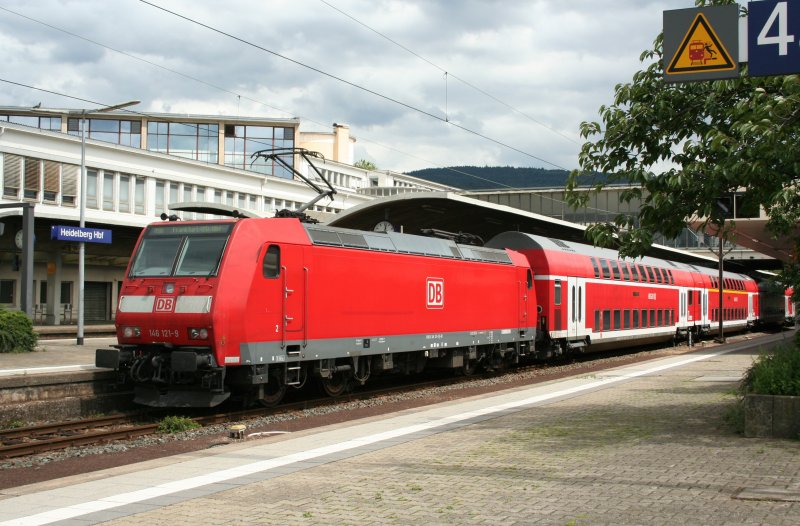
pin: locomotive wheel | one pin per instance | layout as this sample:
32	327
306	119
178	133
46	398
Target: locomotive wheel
274	389
335	386
469	367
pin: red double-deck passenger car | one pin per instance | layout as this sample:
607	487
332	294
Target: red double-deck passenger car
588	296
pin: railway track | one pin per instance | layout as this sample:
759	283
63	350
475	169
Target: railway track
26	441
33	440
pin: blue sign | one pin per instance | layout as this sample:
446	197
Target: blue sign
76	233
773	41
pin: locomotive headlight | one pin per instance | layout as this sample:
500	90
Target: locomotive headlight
200	333
131	332
169	288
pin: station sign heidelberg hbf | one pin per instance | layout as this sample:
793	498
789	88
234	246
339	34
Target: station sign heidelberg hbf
79	234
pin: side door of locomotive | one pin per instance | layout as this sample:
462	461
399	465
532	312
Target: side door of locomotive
294	284
576	306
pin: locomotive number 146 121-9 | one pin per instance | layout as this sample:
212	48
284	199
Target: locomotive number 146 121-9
164	333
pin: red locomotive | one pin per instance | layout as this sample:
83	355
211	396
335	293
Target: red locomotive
250	306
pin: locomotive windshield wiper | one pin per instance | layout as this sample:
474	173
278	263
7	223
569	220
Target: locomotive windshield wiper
277	155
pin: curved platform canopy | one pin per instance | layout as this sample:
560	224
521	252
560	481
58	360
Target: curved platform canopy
752	233
451	212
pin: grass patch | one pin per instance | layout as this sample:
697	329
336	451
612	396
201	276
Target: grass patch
177	424
12	424
734	416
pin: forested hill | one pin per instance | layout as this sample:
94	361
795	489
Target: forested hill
491	177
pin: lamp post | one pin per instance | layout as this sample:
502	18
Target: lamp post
724	211
82	245
721	337
82	205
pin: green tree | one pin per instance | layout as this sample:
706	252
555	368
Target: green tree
365	164
680	147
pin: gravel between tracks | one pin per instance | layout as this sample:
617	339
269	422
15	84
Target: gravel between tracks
77	460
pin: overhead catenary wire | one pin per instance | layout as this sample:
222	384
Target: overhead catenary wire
225	90
134	112
448	73
239	96
140	59
353	84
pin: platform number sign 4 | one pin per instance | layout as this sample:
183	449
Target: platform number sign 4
773	42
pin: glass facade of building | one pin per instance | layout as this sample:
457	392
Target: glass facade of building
197	141
241	142
183	139
124	132
44	123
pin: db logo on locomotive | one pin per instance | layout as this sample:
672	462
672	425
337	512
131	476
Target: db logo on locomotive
165	304
435	295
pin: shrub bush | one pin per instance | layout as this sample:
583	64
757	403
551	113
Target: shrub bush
16	332
177	424
775	373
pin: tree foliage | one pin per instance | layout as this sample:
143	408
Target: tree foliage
365	164
680	147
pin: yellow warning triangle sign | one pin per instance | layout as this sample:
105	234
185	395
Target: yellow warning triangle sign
700	50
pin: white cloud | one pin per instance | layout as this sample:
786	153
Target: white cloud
555	61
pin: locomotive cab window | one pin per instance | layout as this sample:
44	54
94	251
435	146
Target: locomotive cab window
529	278
272	262
181	250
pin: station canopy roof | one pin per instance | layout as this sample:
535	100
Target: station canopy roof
447	211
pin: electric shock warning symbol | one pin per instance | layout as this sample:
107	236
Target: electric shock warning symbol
700	50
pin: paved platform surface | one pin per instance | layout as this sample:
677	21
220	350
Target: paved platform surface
643	444
54	356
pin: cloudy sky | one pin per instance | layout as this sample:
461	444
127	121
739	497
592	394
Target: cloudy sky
419	81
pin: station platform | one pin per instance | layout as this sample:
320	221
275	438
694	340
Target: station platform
55	355
640	444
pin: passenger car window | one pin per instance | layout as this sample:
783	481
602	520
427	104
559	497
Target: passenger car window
557	293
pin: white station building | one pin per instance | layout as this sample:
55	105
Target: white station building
137	165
